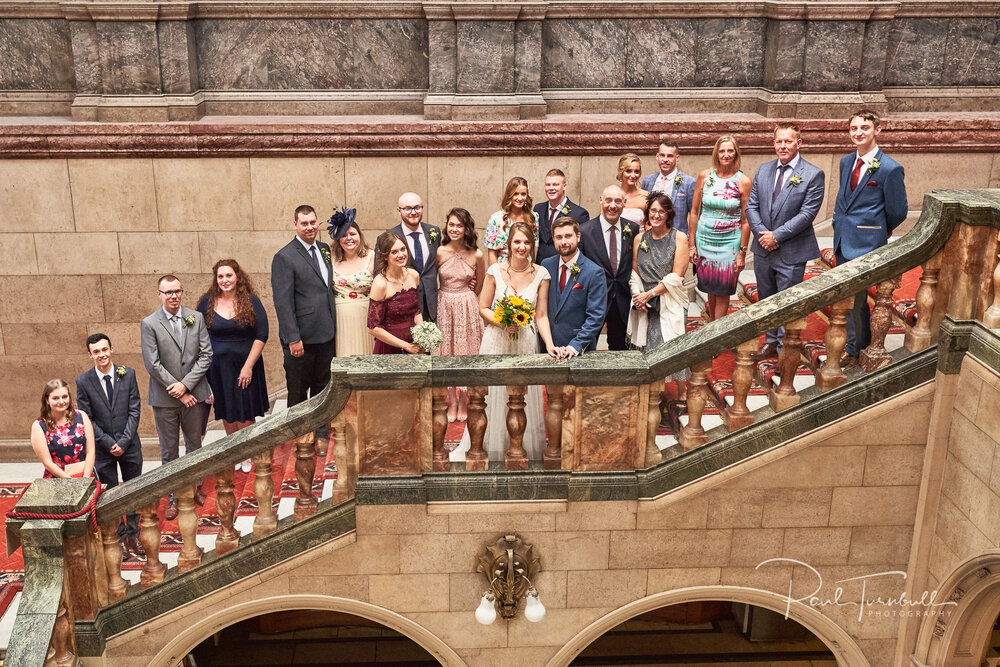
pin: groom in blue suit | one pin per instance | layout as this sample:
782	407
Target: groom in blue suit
784	199
871	203
578	292
673	182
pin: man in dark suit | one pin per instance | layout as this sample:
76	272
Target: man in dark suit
557	206
607	241
423	241
303	301
578	293
784	199
871	203
672	182
109	395
177	353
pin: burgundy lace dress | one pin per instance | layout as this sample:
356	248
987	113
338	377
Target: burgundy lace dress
396	315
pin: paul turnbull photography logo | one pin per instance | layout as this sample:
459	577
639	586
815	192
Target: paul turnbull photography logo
853	592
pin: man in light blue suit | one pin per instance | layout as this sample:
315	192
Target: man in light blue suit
578	292
672	182
871	203
785	197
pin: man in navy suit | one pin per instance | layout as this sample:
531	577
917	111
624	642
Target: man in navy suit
109	395
423	241
784	199
672	182
607	241
871	203
577	293
301	275
557	206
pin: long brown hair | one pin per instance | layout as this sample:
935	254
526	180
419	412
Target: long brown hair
507	201
382	248
527	230
244	290
46	413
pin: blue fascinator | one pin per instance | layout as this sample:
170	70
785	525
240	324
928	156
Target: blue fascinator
340	222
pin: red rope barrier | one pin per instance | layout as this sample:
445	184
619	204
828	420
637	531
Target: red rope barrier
90	507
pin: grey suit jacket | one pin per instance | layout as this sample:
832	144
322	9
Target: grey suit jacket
428	274
790	217
303	302
170	360
115	422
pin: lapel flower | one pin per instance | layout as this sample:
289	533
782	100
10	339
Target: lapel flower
326	255
678	181
189	321
565	209
433	235
794	181
120	372
873	166
626	231
644	246
574	269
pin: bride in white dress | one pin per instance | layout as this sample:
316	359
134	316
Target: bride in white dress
518	276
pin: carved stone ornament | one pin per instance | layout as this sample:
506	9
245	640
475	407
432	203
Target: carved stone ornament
509	566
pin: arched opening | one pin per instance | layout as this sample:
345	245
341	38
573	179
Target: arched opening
309	637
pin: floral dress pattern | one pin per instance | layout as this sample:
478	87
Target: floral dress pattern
350	292
67	443
496	234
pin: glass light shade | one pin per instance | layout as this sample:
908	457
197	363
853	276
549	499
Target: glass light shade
486	613
534	610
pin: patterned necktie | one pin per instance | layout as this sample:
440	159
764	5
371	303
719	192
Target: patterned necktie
613	249
856	175
562	278
109	388
418	251
778	183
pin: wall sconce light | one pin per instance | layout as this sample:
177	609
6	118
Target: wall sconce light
509	566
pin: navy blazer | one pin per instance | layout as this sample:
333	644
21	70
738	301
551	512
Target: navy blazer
117	422
576	315
303	302
790	218
545	246
428	273
863	219
681	199
592	245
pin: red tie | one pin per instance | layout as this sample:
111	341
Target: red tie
562	278
552	216
613	251
856	175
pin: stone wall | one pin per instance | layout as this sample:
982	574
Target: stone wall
84	239
842	500
457	60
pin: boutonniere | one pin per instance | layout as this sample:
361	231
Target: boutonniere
326	255
644	246
574	269
189	321
433	235
120	372
873	166
794	181
626	231
678	181
565	209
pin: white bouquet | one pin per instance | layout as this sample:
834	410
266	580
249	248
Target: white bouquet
427	335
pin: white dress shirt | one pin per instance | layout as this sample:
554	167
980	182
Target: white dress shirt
319	254
867	158
101	376
792	164
665	184
606	231
548	211
423	242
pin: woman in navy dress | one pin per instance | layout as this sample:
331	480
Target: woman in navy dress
62	437
237	327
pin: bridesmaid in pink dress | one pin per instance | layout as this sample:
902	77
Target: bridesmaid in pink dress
394	307
461	267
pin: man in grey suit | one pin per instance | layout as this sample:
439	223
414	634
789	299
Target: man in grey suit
672	182
301	274
177	353
423	241
784	199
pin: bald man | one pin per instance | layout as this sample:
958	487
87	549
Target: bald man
607	241
423	241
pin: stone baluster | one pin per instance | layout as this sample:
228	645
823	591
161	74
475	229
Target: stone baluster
739	415
346	459
991	318
439	420
875	355
693	435
785	395
263	489
831	375
187	525
112	551
920	335
149	521
653	456
515	458
62	646
225	504
552	456
305	472
475	458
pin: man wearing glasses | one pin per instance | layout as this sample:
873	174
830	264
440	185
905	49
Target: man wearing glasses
177	353
423	241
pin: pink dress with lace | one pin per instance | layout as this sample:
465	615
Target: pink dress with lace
458	308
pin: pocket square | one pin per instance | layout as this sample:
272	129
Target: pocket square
870	183
577	286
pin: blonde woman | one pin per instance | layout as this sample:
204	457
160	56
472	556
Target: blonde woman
629	178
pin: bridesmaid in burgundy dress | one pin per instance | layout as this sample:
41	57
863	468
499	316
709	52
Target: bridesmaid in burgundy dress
395	301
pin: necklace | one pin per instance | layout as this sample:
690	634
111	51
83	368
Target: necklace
510	267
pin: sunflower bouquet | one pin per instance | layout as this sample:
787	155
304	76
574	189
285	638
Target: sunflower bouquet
514	311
